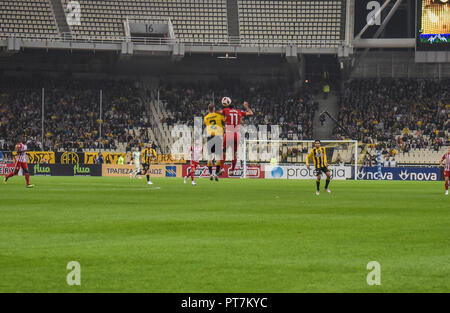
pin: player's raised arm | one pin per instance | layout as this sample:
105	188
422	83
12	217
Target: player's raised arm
249	111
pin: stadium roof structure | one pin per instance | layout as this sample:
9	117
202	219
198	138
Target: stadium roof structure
286	28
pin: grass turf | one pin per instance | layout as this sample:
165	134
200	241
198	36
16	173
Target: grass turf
230	236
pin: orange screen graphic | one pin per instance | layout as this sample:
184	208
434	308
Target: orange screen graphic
435	17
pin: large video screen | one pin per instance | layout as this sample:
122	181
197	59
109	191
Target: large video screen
433	21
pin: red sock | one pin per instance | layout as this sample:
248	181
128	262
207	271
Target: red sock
27	178
192	173
233	164
446	185
9	175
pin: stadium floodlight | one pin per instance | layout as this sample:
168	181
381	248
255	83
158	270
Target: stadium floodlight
293	153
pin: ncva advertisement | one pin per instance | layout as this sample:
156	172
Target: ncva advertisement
400	173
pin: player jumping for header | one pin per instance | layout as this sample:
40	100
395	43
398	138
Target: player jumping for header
319	156
214	128
21	163
232	129
446	158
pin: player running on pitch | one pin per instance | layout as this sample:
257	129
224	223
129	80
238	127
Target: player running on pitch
196	153
232	129
319	155
136	159
214	129
21	163
446	158
148	156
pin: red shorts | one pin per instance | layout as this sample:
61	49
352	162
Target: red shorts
447	173
21	165
231	138
194	163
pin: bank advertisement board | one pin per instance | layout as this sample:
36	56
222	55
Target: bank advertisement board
114	170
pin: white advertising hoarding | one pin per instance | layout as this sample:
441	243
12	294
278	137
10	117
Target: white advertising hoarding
302	172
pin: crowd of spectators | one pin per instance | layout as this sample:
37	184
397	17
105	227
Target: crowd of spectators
72	113
396	114
273	103
72	110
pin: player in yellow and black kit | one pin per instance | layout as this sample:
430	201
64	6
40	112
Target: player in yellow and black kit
319	155
148	156
214	128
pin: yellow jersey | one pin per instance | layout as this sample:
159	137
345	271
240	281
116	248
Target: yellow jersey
214	124
319	156
148	155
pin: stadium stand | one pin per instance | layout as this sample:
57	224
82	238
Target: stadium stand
259	22
408	119
307	23
74	104
193	20
27	18
273	103
72	114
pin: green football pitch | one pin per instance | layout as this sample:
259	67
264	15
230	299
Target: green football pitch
227	236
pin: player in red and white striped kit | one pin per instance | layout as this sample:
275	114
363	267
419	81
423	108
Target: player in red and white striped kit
446	158
196	156
21	163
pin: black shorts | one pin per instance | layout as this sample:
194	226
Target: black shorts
320	170
145	167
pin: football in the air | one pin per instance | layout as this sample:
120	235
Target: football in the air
226	101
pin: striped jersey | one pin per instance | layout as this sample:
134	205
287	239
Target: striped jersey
21	153
149	155
319	157
446	157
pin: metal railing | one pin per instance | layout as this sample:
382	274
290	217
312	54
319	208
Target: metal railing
227	41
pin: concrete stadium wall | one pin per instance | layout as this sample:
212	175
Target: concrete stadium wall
398	64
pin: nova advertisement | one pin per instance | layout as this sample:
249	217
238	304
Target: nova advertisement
400	173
